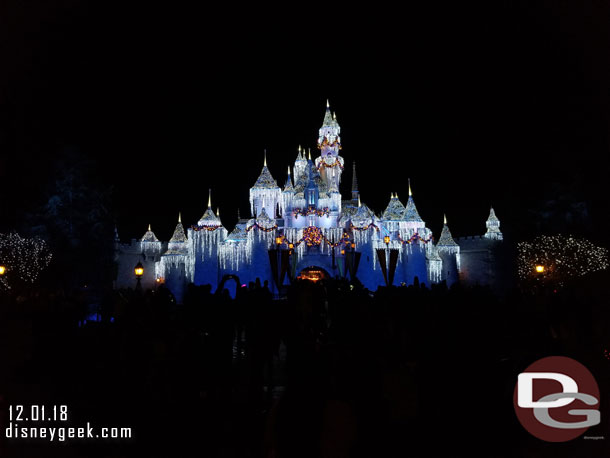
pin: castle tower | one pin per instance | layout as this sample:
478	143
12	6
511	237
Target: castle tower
413	228
287	198
150	244
178	240
151	248
411	217
355	192
311	193
449	252
330	164
265	194
173	267
204	241
493	227
300	165
393	213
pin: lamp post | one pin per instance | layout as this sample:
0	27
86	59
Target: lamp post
278	245
139	271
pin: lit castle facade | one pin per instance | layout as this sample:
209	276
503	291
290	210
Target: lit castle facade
306	230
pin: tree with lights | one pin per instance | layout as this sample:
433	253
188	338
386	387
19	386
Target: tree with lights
557	258
23	259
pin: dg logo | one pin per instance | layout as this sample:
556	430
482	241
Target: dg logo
557	399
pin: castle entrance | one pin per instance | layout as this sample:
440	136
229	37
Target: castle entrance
313	274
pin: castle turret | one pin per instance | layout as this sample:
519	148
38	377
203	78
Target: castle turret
178	237
204	240
493	227
395	209
329	141
311	193
300	165
149	236
288	185
287	198
330	164
265	194
411	216
173	268
355	192
209	219
151	248
449	252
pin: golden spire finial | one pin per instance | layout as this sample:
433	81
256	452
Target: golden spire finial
299	148
327	104
334	116
309	152
410	193
444	219
359	204
265	159
218	212
180	217
209	197
149	227
288	170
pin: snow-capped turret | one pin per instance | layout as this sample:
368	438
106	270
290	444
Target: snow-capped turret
363	216
329	141
329	164
395	209
179	236
288	187
449	251
493	227
311	193
173	268
411	216
265	193
446	242
150	244
355	192
209	219
299	165
149	236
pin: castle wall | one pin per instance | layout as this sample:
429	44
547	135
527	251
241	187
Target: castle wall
477	260
128	256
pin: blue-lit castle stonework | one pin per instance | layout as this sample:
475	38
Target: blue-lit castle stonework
306	229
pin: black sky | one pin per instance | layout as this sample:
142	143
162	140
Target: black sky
478	103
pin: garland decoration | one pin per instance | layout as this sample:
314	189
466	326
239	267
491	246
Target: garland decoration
330	166
365	228
207	228
269	229
414	237
311	211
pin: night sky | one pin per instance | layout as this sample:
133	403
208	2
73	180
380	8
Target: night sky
478	104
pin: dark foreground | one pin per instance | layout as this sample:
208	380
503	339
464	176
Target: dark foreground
332	371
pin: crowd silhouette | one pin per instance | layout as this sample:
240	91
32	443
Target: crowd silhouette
328	370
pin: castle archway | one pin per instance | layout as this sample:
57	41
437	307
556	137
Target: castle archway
313	274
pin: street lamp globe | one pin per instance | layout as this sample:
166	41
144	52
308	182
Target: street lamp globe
139	270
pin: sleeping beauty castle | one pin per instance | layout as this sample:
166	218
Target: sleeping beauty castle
306	230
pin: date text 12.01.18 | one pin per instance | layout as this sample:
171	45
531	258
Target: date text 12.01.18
38	413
